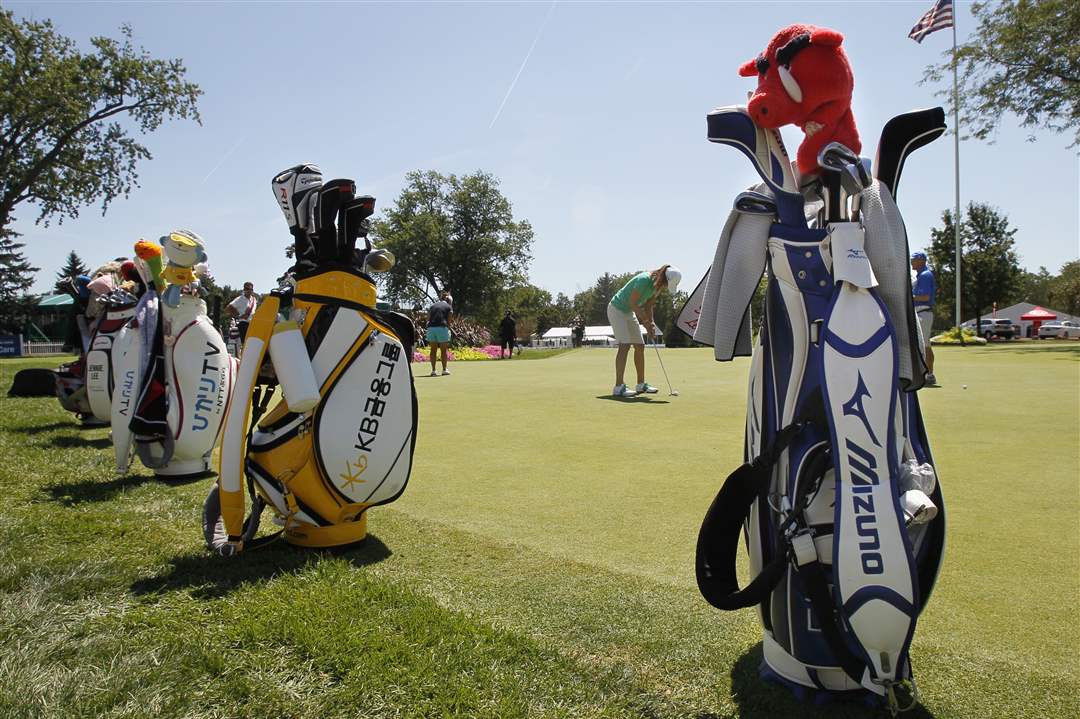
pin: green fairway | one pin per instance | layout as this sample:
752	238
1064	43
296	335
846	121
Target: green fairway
540	562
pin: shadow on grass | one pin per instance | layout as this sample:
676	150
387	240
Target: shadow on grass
1071	348
67	442
209	576
761	699
41	428
632	400
71	494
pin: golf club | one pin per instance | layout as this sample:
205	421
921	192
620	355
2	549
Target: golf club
846	178
671	392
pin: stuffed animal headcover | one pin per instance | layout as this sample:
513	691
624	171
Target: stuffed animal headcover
184	250
804	79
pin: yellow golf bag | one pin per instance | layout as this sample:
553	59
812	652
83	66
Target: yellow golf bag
340	438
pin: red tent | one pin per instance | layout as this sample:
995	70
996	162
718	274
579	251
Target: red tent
1037	316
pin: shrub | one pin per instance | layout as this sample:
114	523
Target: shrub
464	332
951	336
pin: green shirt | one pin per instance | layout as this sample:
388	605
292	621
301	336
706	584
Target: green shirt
642	283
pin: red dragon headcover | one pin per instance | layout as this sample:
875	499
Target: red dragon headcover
804	79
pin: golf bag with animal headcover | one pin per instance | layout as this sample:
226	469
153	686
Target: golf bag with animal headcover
837	501
77	381
172	377
341	438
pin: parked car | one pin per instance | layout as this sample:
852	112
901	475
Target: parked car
1067	329
1001	328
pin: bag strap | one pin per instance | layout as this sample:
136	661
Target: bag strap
718	539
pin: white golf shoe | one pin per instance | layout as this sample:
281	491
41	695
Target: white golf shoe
646	388
621	390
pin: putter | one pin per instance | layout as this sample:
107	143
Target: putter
671	392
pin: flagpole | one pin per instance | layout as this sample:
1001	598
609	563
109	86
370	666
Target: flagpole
956	160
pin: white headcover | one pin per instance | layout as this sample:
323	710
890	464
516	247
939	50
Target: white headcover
293	189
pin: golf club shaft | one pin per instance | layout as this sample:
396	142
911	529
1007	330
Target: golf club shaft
662	368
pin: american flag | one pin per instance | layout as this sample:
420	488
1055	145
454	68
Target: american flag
938	17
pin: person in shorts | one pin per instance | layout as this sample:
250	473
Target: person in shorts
242	308
923	290
507	333
630	305
438	330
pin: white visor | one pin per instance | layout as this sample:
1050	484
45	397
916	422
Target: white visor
673	277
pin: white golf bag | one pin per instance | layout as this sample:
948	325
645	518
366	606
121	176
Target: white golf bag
172	381
838	502
119	309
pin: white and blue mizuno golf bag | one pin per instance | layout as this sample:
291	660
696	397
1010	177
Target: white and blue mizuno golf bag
837	501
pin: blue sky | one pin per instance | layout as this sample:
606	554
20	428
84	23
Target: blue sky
598	139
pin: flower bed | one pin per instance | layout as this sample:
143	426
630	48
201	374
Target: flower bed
461	354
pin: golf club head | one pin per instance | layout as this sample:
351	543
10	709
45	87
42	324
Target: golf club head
901	136
733	126
755	203
379	261
835	156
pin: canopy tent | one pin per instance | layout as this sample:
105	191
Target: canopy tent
594	334
1037	316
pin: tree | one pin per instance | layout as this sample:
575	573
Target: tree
1064	291
62	145
16	276
456	233
73	267
529	303
1033	287
1023	59
989	265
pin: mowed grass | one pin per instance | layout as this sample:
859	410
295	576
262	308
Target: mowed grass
539	564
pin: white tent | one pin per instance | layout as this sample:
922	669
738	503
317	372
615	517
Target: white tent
594	335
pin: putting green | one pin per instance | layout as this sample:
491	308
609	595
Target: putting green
535	453
540	562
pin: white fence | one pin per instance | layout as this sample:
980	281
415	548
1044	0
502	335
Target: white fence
42	348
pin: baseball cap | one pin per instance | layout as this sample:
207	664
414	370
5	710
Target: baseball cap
918	255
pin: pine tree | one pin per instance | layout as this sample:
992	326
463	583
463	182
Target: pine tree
72	268
16	276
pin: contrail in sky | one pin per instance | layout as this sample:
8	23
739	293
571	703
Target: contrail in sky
223	158
523	63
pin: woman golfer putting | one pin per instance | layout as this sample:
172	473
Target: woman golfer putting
630	305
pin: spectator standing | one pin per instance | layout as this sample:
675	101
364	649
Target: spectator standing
242	308
577	336
507	333
630	305
923	291
438	330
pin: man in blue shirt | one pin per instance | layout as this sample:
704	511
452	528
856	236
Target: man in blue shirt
922	294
